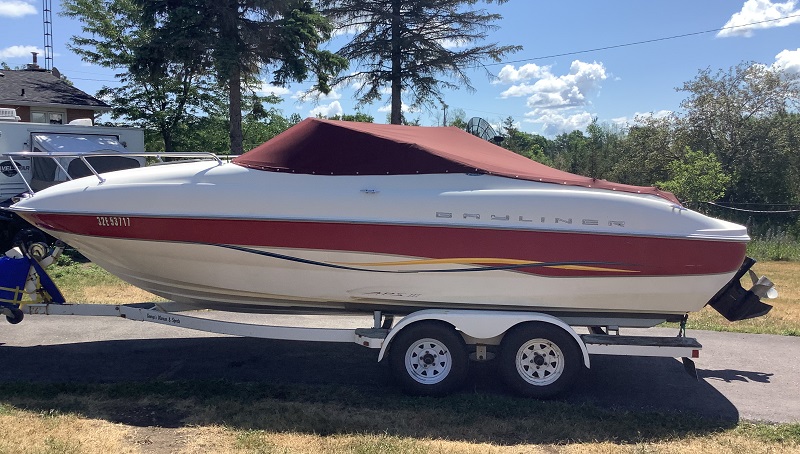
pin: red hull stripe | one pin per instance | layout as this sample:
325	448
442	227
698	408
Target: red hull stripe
632	255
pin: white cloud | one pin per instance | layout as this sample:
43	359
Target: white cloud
330	110
16	8
511	75
267	89
557	102
557	97
551	91
19	51
788	60
516	91
753	15
554	123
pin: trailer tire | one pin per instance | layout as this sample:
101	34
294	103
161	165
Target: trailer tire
29	236
429	359
539	360
16	316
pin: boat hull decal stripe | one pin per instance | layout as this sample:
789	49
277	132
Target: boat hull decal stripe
496	261
511	266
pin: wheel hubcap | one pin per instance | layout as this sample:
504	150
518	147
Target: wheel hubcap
540	362
428	361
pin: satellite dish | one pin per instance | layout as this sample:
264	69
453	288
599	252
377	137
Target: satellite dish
479	127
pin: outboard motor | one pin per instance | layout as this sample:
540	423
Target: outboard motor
735	303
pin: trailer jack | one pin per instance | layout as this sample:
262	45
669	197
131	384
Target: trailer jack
21	274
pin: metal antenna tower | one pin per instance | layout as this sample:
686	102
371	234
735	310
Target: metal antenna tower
47	18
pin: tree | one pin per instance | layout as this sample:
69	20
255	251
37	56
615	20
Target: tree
159	95
739	114
406	45
261	122
357	117
720	105
571	152
532	146
785	136
641	152
698	177
159	103
238	38
457	118
603	147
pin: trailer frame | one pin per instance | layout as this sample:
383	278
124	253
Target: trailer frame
479	336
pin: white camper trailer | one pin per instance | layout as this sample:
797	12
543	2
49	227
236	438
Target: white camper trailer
77	137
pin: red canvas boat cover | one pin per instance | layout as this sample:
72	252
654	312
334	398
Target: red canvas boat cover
329	147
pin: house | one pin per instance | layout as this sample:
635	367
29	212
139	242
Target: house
41	96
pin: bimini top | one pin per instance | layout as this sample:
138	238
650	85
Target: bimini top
329	147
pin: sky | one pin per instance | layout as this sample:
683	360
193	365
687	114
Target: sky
581	59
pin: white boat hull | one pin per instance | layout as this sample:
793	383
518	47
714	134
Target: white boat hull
397	243
210	275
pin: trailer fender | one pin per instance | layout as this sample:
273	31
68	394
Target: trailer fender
482	324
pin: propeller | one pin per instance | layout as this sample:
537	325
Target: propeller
762	286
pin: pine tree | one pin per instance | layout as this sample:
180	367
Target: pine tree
159	95
240	38
413	46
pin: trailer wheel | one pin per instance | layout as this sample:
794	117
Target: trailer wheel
27	237
16	316
429	358
539	359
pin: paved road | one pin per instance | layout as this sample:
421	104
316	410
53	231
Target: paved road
742	376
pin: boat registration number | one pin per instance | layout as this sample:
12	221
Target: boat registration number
113	221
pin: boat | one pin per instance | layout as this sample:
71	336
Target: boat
345	216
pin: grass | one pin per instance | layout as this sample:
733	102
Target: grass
48	433
774	248
84	282
265	418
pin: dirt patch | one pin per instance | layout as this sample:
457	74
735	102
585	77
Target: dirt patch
157	440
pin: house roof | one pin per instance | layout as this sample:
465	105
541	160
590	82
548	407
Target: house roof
330	147
41	88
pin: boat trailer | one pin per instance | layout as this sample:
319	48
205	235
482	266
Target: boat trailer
539	355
